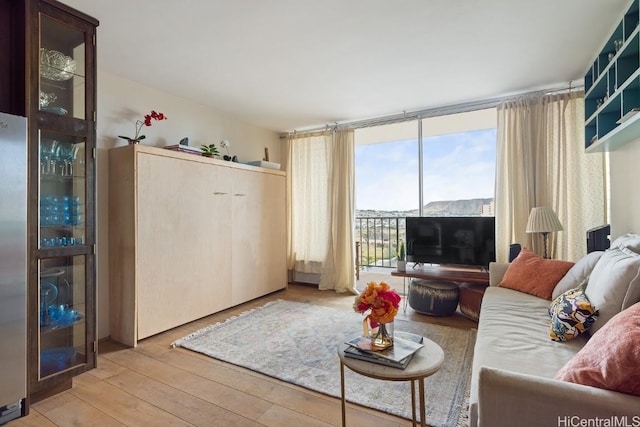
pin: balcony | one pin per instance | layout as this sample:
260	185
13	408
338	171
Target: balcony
377	240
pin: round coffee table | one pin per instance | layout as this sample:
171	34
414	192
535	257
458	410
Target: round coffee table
425	362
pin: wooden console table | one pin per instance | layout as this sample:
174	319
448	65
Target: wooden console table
453	274
449	273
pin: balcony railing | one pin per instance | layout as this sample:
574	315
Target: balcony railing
377	239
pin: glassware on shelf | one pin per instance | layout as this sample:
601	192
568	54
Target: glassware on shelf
58	158
69	154
56	65
47	98
60	211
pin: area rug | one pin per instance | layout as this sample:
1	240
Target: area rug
296	343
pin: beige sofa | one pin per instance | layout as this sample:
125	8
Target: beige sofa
515	360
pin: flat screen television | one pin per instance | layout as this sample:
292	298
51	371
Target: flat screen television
468	241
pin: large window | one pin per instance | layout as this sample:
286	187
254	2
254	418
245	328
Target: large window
450	172
458	164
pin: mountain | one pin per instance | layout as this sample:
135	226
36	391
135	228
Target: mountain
471	207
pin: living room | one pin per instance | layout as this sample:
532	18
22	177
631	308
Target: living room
122	100
125	93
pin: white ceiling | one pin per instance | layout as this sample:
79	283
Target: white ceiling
294	64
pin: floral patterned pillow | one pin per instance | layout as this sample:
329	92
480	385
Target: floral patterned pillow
571	314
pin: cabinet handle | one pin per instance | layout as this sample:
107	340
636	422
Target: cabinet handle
219	193
240	194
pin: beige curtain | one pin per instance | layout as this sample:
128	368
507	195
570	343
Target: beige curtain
321	209
541	162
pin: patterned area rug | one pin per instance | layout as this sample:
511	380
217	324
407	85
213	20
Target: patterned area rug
296	343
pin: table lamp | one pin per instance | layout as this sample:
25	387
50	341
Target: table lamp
543	220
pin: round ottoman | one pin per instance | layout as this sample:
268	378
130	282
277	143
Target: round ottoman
433	297
471	299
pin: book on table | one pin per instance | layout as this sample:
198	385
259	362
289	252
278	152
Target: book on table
405	345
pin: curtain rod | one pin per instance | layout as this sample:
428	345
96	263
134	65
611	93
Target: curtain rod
433	112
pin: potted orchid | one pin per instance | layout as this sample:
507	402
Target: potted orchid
140	123
382	303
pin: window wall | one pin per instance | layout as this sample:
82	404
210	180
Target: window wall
440	166
455	161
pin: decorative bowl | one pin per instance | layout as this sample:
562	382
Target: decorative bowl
56	65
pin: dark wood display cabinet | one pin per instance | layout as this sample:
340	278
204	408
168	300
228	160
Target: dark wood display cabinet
49	65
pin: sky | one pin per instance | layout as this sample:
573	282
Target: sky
456	167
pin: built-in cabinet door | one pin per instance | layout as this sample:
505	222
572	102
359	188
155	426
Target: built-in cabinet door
246	248
274	230
258	262
182	242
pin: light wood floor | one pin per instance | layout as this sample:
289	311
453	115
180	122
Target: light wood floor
155	385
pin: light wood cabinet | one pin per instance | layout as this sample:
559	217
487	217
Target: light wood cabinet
189	237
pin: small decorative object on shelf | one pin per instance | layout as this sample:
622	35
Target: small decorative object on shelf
617	44
228	157
383	303
209	150
402	264
146	122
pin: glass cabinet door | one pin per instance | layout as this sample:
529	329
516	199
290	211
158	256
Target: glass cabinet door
63	310
62	86
62	189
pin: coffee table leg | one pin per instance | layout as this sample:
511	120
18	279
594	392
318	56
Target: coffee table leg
344	418
406	295
413	402
422	403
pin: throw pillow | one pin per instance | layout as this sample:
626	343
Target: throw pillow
571	314
534	275
610	359
577	274
614	284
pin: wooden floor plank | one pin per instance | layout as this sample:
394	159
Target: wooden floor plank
122	405
186	382
66	409
188	407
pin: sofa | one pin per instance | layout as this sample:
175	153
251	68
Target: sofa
521	377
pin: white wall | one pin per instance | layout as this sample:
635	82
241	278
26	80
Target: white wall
625	193
120	103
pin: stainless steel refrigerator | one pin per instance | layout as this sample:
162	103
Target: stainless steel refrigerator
13	266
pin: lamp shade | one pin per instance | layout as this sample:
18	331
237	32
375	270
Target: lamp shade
543	220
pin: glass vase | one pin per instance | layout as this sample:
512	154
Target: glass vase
382	336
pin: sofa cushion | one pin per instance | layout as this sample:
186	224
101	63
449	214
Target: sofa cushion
629	241
577	274
614	284
571	314
610	359
513	335
534	275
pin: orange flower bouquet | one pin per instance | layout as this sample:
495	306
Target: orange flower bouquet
383	303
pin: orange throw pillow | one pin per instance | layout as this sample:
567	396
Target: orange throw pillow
610	359
534	275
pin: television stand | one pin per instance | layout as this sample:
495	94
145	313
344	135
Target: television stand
457	274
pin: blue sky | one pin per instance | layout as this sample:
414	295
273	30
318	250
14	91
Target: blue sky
457	166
